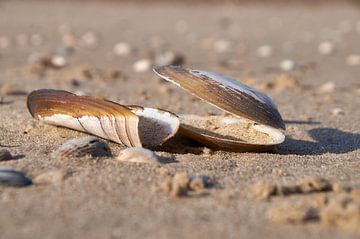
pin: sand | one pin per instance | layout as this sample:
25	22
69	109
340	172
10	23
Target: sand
104	198
220	127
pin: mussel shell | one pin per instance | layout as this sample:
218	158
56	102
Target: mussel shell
225	93
102	118
219	142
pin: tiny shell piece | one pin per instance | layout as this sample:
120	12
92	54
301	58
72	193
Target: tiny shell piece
5	155
137	155
80	147
13	178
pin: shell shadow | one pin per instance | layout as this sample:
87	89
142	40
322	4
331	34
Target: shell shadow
328	140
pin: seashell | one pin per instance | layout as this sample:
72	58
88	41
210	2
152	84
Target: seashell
137	155
259	127
10	177
230	133
132	126
80	147
5	155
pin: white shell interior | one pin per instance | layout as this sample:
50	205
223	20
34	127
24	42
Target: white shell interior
155	126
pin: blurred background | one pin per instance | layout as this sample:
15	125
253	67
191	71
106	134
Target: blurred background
106	48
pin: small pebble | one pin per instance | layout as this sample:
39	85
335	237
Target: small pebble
328	87
222	45
13	178
287	65
58	61
50	177
264	51
180	184
326	48
337	111
81	147
122	49
142	65
90	40
169	58
137	155
5	155
197	184
353	60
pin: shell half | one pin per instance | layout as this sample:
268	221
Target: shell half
225	93
229	133
103	118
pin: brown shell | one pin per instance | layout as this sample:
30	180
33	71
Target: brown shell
99	117
225	93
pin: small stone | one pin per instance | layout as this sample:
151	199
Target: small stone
264	51
292	214
180	185
222	45
326	48
263	191
328	87
58	61
5	155
13	178
169	58
142	65
90	40
122	49
287	65
137	155
353	60
337	111
50	177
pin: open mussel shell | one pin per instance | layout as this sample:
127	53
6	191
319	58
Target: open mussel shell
230	133
225	93
133	127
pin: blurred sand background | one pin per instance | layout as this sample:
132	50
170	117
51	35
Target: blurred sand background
305	55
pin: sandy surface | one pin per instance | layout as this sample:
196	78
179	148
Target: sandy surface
103	198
